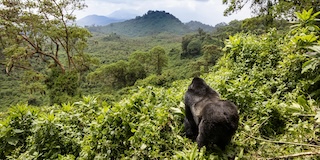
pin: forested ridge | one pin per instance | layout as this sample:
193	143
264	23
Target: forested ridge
153	23
114	97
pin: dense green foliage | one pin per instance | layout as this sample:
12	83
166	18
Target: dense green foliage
126	73
192	44
271	9
272	78
155	60
62	87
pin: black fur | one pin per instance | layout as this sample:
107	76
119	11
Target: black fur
209	120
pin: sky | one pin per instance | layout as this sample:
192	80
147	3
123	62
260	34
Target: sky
206	11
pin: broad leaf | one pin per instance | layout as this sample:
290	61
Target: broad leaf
13	140
311	64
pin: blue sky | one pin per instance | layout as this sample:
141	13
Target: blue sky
206	11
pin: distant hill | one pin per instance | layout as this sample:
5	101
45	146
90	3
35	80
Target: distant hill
124	14
195	25
97	20
151	23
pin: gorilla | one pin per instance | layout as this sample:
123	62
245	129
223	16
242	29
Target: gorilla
209	120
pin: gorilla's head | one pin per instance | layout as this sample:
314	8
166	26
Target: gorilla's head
200	88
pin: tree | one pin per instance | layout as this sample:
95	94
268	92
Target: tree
62	87
211	53
158	58
142	59
271	9
194	47
136	70
41	29
42	33
184	44
191	44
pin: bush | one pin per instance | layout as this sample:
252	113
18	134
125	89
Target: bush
15	129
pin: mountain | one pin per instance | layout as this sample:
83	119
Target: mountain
97	20
124	14
195	25
151	23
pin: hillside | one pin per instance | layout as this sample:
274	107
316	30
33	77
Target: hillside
151	23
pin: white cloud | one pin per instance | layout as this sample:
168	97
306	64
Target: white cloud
206	11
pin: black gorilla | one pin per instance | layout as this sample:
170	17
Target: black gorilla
209	120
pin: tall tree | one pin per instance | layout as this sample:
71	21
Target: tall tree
41	29
36	34
141	59
158	58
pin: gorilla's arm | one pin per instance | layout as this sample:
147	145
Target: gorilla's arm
192	123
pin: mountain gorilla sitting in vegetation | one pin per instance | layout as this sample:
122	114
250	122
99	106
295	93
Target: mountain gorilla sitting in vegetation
209	120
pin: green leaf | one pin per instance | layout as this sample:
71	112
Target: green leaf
18	131
13	141
302	102
176	110
299	15
194	153
317	117
143	146
315	15
240	155
315	48
316	79
295	107
247	128
311	64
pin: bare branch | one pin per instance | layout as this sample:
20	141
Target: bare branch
281	142
38	50
302	154
56	60
31	43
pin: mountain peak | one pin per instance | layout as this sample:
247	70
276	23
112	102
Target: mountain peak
160	15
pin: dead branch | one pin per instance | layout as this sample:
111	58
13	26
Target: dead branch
281	142
302	154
